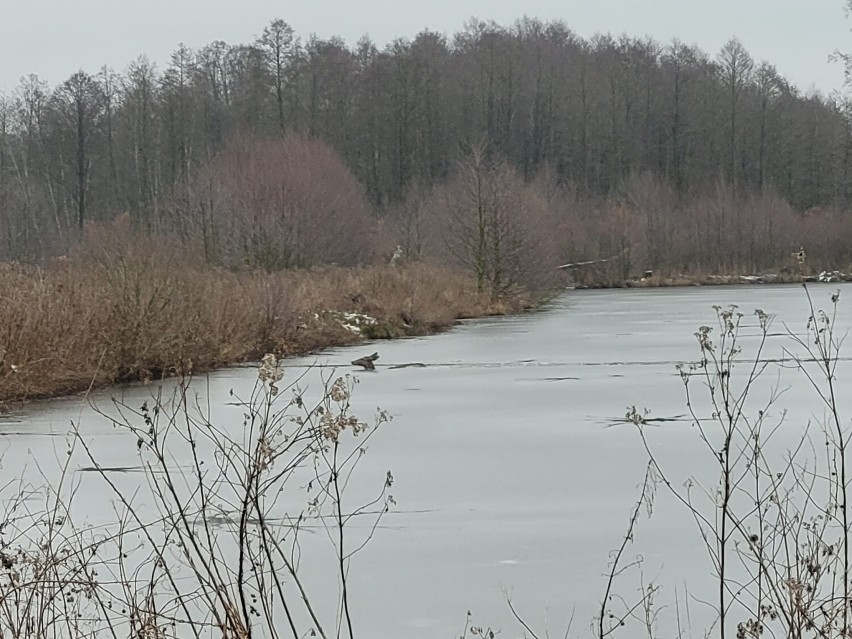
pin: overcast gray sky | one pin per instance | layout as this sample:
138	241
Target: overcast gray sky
54	38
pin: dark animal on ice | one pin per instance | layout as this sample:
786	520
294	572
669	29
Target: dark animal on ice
367	362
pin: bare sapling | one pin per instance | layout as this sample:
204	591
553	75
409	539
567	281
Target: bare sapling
773	518
211	535
615	611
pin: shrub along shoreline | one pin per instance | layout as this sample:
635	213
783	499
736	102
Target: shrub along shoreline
78	323
668	281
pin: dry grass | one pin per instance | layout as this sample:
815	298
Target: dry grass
128	309
662	281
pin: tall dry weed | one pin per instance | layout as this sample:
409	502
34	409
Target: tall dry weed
125	307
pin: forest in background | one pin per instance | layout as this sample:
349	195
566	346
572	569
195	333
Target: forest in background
501	150
260	200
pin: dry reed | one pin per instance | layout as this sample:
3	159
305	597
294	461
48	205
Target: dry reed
128	308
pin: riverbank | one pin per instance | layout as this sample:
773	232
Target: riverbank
665	281
128	315
138	310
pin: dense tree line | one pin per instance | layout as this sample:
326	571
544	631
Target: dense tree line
583	116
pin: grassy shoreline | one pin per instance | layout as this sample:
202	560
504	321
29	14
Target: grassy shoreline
667	281
141	311
76	323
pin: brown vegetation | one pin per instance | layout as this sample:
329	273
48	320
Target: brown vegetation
713	236
239	165
128	307
489	223
668	156
273	204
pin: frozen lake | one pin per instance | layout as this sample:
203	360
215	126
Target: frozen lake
515	472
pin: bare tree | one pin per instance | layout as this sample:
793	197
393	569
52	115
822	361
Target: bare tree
736	67
278	43
491	223
80	101
282	204
768	86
